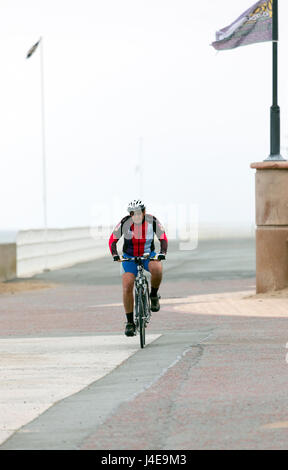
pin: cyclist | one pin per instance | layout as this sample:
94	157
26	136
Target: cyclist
138	229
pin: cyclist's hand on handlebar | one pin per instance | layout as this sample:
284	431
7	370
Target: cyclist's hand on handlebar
116	258
161	256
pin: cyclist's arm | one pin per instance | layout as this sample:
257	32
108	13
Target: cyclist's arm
114	238
161	235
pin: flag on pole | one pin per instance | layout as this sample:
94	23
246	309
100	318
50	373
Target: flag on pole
254	25
33	49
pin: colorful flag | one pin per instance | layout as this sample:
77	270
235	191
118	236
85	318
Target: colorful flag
254	25
33	49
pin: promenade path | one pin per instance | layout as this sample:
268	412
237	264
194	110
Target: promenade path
212	376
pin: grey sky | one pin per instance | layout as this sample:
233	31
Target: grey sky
117	70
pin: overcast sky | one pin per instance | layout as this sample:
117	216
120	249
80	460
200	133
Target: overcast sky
118	70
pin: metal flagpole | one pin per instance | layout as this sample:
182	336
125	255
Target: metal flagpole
43	135
44	178
44	173
275	109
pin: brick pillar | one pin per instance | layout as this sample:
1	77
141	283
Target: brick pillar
271	192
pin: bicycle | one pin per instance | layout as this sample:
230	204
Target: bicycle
141	295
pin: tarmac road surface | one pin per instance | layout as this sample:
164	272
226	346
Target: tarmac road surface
212	376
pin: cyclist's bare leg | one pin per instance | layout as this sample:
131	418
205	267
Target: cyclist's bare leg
128	280
155	268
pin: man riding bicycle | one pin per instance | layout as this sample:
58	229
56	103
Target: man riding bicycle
138	229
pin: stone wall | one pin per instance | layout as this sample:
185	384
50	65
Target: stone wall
7	261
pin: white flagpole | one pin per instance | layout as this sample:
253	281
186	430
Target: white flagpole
44	173
43	135
44	177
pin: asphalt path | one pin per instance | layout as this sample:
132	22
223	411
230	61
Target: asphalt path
205	382
211	260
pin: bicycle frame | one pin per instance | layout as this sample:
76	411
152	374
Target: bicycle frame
141	297
142	289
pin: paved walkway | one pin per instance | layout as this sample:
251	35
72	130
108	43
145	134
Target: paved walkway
242	304
39	370
213	376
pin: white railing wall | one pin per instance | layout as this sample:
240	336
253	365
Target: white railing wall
57	248
38	250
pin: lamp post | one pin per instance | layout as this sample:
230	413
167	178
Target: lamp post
275	109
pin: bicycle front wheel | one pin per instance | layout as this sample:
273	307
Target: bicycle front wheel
146	303
141	320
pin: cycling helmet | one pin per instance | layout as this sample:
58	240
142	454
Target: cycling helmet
135	205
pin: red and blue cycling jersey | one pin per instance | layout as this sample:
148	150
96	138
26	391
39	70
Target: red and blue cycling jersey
138	238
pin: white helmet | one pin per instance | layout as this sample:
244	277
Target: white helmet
135	205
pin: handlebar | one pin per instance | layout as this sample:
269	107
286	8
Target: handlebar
144	257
